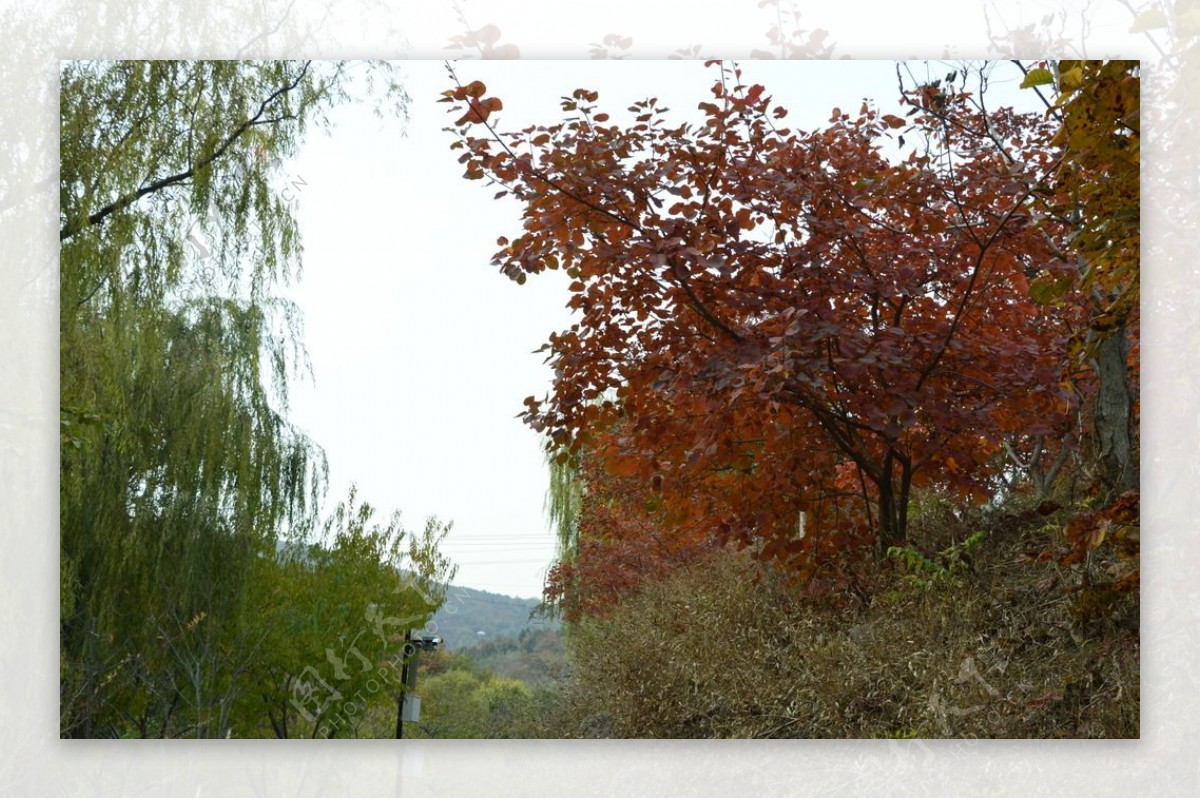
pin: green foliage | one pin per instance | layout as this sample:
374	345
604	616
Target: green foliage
463	699
1099	113
949	567
564	501
507	704
1100	105
179	467
449	706
332	617
1037	77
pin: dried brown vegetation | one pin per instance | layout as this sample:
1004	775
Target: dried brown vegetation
994	638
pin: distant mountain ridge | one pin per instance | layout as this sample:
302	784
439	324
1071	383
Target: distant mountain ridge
468	612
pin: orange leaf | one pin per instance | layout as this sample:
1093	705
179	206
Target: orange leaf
623	467
479	111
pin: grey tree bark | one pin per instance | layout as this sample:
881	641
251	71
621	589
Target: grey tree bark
1114	413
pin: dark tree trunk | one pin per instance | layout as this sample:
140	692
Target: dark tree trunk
1114	414
893	500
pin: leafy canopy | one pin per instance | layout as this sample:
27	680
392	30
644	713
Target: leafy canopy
773	321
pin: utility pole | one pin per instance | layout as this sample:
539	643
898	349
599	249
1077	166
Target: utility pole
408	705
406	656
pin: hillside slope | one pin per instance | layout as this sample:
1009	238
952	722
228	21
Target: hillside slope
470	616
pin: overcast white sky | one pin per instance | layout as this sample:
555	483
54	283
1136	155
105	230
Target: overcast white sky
422	351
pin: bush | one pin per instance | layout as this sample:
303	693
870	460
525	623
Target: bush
468	701
728	648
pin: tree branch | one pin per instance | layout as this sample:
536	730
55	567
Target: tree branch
124	202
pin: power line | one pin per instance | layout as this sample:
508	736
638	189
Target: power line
501	544
501	534
529	545
492	559
499	550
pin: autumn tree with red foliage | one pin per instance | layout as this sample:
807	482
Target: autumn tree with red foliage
1089	204
626	536
781	333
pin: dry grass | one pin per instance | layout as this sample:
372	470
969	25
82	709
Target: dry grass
994	649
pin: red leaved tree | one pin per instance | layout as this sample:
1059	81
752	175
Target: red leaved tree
625	535
780	333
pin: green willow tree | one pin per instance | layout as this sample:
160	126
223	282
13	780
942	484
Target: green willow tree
179	468
564	496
